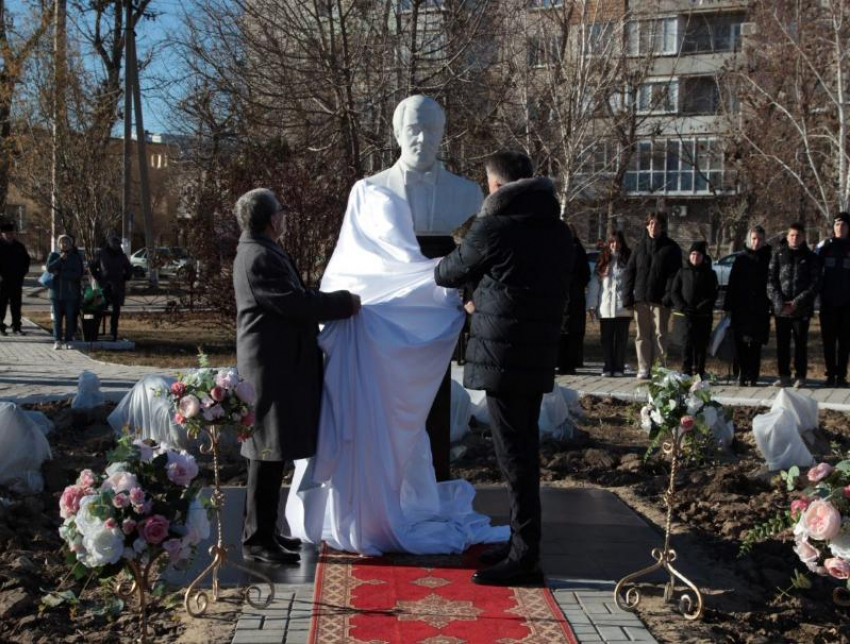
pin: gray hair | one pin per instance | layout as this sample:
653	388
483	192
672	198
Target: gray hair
254	210
417	100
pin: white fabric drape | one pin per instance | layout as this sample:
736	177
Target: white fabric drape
371	487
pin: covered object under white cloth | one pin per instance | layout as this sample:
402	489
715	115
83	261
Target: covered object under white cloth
371	487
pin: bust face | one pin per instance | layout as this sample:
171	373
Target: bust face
420	135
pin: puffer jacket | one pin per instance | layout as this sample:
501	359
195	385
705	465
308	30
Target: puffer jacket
520	254
651	269
794	276
607	293
67	276
694	289
746	296
835	260
576	304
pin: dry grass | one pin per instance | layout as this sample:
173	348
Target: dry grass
163	340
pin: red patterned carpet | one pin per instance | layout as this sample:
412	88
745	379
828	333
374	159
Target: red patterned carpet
406	599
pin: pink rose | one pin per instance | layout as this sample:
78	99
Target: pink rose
173	547
69	504
245	392
227	379
821	521
178	389
121	500
847	492
189	406
87	479
799	506
217	393
687	423
819	472
181	468
248	419
838	568
155	529
128	526
137	496
110	523
179	418
206	402
120	482
807	553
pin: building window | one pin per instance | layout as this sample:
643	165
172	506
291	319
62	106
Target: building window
700	95
159	161
598	157
708	33
424	5
683	166
17	214
545	4
660	97
660	37
543	50
600	35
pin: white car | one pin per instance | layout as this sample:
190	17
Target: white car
722	268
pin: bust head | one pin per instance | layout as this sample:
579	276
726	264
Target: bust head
418	125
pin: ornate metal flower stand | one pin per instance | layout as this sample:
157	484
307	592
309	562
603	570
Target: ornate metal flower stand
139	584
691	605
196	600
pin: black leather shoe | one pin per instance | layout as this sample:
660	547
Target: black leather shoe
509	573
495	554
830	382
288	543
269	554
3	332
18	331
842	383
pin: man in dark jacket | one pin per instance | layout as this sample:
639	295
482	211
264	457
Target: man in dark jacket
574	325
693	293
792	285
649	275
278	353
520	253
835	301
746	301
112	269
14	266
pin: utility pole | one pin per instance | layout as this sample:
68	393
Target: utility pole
59	72
126	205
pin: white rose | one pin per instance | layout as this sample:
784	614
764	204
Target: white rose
694	405
840	545
87	522
120	482
105	546
656	417
645	420
114	468
197	524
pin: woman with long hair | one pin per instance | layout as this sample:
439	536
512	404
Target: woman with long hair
605	301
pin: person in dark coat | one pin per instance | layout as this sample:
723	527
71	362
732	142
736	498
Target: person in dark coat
67	267
793	283
278	353
112	269
574	323
649	274
747	303
520	254
835	301
693	293
14	266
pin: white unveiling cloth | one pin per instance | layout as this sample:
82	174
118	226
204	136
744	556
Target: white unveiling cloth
371	487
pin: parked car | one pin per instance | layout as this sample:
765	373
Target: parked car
722	268
173	261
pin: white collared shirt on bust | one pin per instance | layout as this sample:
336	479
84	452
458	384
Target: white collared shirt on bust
439	200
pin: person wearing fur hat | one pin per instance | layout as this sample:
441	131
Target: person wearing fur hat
693	293
67	268
14	266
835	301
520	254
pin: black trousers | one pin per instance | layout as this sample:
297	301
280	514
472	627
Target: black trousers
835	330
10	297
748	358
786	328
261	502
439	428
516	439
114	314
614	334
697	335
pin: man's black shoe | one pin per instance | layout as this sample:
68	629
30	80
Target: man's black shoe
288	543
495	554
269	554
842	382
3	331
829	382
509	573
18	331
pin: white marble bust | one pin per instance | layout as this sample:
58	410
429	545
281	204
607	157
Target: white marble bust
439	200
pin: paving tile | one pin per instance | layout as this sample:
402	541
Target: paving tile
613	634
639	634
248	623
258	637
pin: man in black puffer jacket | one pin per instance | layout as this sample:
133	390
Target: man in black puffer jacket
649	275
520	254
793	283
693	293
835	301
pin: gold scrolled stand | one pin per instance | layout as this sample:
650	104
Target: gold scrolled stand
139	584
691	604
196	600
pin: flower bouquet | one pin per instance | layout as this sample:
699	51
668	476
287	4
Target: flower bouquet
207	397
144	506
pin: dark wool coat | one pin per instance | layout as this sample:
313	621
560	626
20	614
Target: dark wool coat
746	295
794	276
276	347
694	290
575	310
67	276
651	269
112	269
14	262
522	253
835	260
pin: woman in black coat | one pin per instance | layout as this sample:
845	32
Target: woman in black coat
747	302
112	269
693	293
570	354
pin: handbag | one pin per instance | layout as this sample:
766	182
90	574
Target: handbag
722	345
46	278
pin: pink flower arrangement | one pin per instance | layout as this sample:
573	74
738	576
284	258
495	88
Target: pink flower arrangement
69	504
837	568
821	521
799	505
819	472
154	529
687	423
